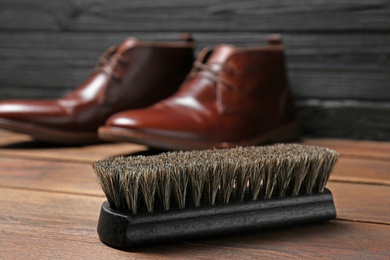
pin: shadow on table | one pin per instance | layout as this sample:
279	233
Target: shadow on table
31	145
271	241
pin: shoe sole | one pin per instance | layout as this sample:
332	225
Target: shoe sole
47	134
286	133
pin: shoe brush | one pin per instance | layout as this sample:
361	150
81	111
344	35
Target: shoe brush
180	195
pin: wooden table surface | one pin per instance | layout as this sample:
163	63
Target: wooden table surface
50	204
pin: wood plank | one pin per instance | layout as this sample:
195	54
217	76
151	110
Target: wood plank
361	202
320	66
49	176
337	56
354	201
340	54
79	178
354	148
362	171
19	145
340	81
204	15
360	161
349	119
340	50
350	168
48	225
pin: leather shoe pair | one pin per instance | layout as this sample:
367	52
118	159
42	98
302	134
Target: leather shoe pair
232	97
133	75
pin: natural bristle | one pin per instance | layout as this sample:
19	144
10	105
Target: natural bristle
196	178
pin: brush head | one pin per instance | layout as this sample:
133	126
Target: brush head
176	180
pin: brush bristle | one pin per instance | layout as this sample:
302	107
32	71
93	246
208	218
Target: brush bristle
208	177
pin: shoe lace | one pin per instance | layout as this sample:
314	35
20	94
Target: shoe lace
107	56
208	71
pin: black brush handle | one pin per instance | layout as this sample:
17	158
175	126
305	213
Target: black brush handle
127	230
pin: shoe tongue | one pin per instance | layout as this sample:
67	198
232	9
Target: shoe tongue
128	43
221	53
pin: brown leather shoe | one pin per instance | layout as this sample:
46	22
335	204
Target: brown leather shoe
233	96
133	75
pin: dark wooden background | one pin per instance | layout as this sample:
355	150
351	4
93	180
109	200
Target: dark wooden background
338	52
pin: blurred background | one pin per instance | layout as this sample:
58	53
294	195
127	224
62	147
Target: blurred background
338	52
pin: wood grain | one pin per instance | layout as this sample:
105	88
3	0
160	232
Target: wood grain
357	159
320	66
63	177
337	52
216	15
361	202
339	69
64	226
346	119
50	210
339	81
79	178
355	148
19	145
362	171
354	201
